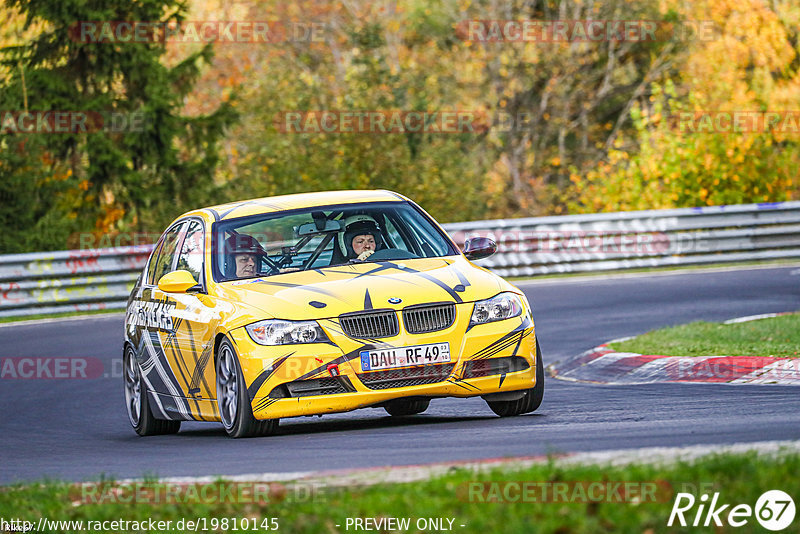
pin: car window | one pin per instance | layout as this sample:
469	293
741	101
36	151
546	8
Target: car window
429	239
151	266
394	236
191	256
322	236
166	257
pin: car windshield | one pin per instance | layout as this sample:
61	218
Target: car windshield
319	237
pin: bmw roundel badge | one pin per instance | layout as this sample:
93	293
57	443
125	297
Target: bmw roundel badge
395	300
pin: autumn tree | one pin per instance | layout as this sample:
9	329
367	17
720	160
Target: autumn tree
746	64
374	57
128	176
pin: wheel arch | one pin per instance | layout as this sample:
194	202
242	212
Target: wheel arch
218	337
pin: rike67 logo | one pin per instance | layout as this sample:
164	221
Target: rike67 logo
774	510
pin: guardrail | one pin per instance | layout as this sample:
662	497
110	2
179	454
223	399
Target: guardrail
627	240
83	280
71	280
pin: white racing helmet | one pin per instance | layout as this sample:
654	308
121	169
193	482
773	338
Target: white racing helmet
358	225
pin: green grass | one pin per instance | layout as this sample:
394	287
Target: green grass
738	478
778	337
57	315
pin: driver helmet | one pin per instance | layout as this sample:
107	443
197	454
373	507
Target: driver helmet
358	225
238	244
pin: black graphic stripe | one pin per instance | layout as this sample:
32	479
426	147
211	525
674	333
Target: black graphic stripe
497	346
177	353
334	326
260	379
522	335
346	384
519	342
305	287
461	278
385	265
146	362
161	354
200	367
496	350
159	383
340	360
266	402
506	341
463	382
463	386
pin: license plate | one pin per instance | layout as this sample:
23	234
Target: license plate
372	360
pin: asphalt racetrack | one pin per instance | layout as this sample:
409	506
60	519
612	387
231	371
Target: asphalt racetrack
78	429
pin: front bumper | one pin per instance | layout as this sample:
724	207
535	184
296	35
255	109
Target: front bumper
295	380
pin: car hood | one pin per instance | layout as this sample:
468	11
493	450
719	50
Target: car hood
329	292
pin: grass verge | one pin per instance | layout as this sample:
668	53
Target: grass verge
777	336
739	479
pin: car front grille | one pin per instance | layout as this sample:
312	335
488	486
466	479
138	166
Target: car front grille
413	376
494	366
370	324
429	318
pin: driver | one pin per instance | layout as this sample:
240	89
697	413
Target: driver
243	256
361	238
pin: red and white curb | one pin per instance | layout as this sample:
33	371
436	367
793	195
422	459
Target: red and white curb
603	365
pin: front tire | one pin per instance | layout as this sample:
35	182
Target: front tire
532	399
406	407
137	404
233	401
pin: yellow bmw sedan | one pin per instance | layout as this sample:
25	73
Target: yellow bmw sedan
320	303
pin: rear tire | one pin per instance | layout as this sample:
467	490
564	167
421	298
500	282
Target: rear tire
406	407
532	399
233	401
137	404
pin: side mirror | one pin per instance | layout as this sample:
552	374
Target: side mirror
477	248
178	282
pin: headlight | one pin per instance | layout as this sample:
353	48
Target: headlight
503	306
279	332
